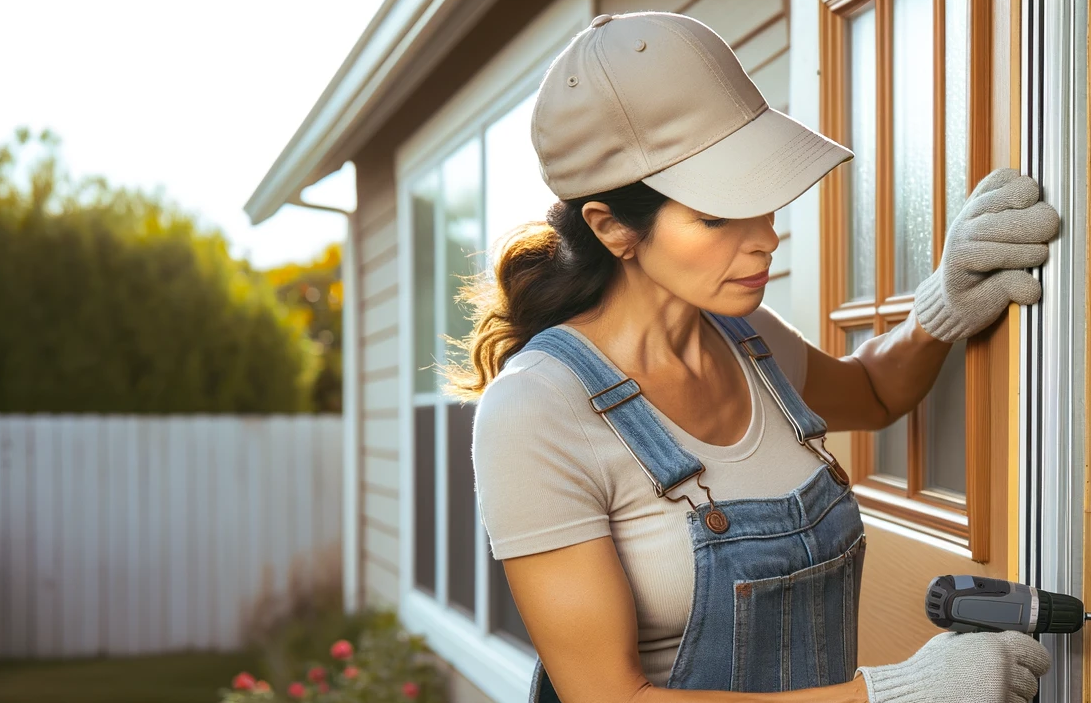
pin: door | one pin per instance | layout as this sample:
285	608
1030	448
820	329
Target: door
926	93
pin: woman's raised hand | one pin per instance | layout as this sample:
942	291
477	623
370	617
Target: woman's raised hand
1002	229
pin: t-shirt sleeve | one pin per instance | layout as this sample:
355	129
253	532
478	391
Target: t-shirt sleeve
787	343
538	482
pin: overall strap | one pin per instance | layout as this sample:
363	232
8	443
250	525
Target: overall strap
619	401
804	421
810	429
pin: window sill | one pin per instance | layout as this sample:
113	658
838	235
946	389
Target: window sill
938	522
500	669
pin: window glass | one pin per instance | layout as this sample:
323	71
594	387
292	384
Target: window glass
913	88
892	449
487	186
505	615
945	406
423	204
514	189
957	119
857	337
861	176
462	233
461	508
424	498
945	423
891	443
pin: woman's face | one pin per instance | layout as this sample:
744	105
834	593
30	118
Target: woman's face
715	264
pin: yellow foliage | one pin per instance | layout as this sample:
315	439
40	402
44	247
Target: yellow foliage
337	295
300	318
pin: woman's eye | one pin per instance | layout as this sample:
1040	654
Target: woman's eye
714	223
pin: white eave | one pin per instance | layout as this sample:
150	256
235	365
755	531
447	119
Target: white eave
401	44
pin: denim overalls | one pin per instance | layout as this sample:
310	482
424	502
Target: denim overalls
776	580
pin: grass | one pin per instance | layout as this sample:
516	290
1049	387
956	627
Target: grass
174	678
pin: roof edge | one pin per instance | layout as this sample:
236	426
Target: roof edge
375	58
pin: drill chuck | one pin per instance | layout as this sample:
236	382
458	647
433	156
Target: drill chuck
979	604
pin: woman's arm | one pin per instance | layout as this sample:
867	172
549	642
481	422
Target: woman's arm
1001	230
578	608
886	378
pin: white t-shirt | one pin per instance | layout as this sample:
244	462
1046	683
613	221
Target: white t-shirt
549	473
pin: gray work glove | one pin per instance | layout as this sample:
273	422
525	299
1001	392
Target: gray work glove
976	667
1001	230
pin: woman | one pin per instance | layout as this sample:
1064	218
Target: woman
670	523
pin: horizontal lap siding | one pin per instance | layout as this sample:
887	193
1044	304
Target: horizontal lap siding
616	7
379	348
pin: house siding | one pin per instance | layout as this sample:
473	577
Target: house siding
377	233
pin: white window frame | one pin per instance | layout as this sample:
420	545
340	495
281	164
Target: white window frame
502	670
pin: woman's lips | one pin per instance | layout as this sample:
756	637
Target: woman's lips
755	281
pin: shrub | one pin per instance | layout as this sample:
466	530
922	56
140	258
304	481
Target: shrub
386	665
116	301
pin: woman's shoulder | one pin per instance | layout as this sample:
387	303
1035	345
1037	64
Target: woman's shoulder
537	377
535	398
529	440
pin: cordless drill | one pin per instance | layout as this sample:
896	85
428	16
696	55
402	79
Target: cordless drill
979	604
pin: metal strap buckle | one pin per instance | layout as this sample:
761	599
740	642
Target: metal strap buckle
620	383
715	519
746	342
836	470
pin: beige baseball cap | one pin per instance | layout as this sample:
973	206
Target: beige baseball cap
659	97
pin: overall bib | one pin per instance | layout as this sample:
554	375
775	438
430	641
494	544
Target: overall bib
776	580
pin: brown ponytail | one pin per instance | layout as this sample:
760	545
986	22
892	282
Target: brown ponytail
546	273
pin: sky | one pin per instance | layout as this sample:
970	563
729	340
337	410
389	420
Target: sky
197	97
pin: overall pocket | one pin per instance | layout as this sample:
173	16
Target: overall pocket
798	631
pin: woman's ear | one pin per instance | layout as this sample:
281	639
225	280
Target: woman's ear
614	236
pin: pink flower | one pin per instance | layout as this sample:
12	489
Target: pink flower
243	682
351	672
410	689
316	674
262	687
323	687
341	649
296	690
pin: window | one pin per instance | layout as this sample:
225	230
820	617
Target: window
900	79
459	209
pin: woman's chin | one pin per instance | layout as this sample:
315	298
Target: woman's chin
739	304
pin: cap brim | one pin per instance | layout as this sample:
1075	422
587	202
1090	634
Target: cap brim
759	168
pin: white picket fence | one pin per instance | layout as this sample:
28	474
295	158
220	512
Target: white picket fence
134	535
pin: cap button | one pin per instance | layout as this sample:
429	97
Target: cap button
601	20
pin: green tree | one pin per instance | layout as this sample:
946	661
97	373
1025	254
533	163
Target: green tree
116	301
314	295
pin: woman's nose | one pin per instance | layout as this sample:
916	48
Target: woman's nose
765	238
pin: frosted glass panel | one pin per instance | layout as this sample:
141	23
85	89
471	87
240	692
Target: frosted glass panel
892	443
856	338
861	208
945	433
912	143
892	449
423	206
957	125
462	226
514	189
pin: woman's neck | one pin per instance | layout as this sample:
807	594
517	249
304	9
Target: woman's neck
640	326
